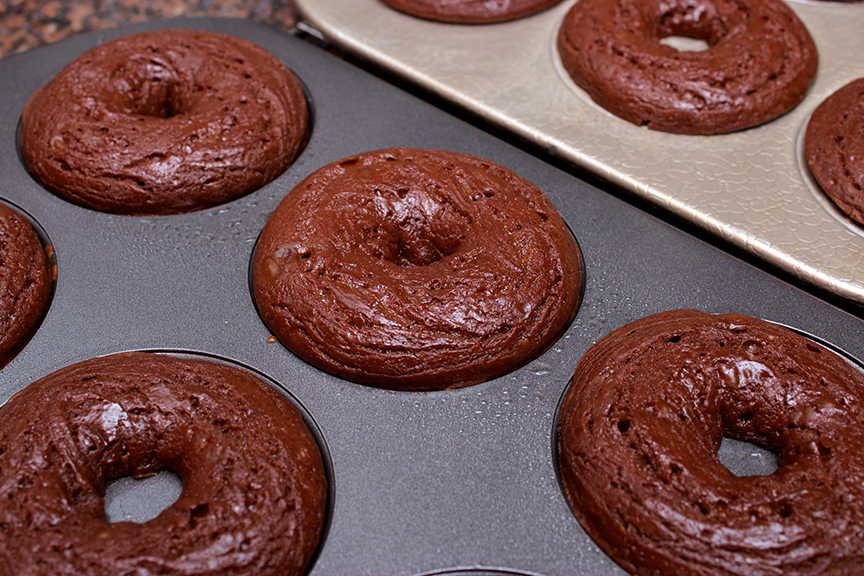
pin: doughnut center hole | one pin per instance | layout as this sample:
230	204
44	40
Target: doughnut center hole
156	100
687	27
139	500
746	459
146	86
420	229
685	43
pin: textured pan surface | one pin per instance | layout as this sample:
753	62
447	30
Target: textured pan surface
750	188
453	481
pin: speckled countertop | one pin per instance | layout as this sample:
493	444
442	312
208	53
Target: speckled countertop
25	24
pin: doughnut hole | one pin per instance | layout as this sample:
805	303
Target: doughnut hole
139	500
146	86
746	459
685	44
409	227
750	415
682	19
750	444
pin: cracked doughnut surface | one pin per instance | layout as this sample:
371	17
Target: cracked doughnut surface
470	11
164	122
254	489
25	282
416	269
641	424
759	63
834	145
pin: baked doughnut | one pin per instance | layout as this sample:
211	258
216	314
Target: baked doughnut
470	11
834	145
254	489
641	424
416	270
759	63
164	122
25	282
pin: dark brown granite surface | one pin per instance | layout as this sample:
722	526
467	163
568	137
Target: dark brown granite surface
25	24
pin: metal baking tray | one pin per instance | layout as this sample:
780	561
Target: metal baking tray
751	188
460	481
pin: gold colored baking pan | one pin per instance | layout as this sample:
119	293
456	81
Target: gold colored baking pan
751	188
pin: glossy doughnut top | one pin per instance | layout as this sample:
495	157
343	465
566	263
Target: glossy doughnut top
416	269
164	122
641	424
254	489
759	63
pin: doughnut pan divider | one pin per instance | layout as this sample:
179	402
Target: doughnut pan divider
459	481
751	188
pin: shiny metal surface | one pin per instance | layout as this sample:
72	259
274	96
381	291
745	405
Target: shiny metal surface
751	188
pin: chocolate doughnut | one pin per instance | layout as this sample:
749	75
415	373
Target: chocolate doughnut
416	270
470	11
25	282
254	489
641	424
164	122
759	63
834	145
